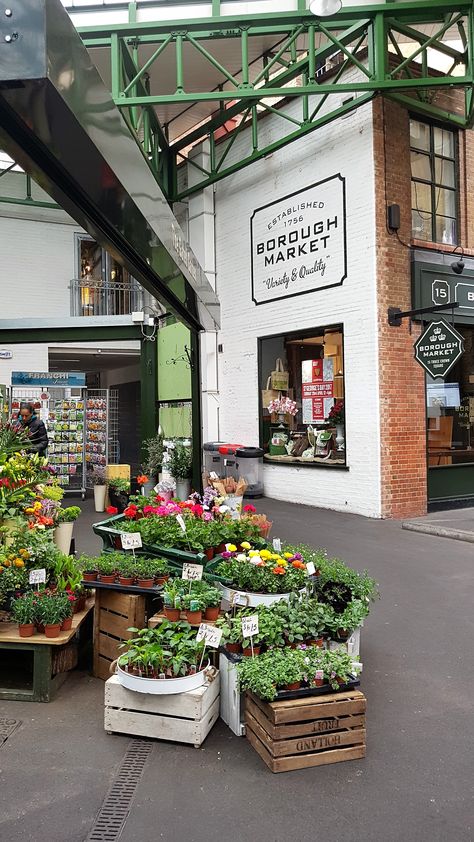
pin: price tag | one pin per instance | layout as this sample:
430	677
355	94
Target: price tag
192	572
310	568
250	625
37	576
213	475
277	545
210	634
130	540
181	522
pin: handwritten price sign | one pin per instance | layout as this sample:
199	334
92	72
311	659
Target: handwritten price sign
37	576
130	540
310	568
250	625
277	545
192	572
210	635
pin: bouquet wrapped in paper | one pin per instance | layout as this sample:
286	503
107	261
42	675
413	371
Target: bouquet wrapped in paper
285	405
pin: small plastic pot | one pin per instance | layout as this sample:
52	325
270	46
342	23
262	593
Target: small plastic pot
66	624
145	583
52	629
107	578
26	629
126	580
172	614
212	613
89	575
193	617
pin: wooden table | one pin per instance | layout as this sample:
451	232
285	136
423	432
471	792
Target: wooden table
43	685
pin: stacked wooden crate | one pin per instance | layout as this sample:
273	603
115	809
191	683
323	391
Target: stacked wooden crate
114	614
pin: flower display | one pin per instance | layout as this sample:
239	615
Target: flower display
336	413
284	405
262	571
142	479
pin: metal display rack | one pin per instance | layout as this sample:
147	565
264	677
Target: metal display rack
101	442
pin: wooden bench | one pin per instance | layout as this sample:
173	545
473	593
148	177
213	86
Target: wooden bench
48	659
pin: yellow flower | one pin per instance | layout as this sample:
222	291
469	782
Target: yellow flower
245	545
30	511
19	562
24	553
265	554
231	548
288	555
253	553
37	506
7	562
282	562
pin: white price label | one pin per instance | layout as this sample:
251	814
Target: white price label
130	540
213	475
277	545
250	625
310	568
210	634
181	522
37	576
192	572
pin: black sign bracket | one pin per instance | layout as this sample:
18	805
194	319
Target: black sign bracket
395	315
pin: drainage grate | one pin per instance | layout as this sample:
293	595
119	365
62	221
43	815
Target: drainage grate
114	811
7	727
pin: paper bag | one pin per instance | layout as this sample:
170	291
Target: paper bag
268	394
279	377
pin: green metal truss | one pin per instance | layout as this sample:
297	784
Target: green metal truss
360	53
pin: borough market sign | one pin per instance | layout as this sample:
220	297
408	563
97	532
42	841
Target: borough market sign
438	348
299	242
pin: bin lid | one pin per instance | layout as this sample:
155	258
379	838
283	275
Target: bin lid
212	446
249	452
229	449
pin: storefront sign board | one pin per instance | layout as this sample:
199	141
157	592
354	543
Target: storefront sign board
438	348
298	243
61	379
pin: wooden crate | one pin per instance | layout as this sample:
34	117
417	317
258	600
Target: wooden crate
182	718
114	614
310	731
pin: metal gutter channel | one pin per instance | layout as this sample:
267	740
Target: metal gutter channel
58	121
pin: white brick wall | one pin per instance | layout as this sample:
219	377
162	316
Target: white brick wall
344	146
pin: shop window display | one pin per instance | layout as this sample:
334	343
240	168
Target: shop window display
302	397
450	410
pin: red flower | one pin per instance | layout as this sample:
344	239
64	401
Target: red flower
279	571
197	510
249	508
5	481
130	512
112	510
142	479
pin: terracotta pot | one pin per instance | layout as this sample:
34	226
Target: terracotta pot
212	613
172	614
79	604
209	553
247	651
319	682
107	578
126	580
295	685
89	576
233	648
26	629
145	583
193	617
160	580
52	629
66	624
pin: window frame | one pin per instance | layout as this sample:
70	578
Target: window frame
432	183
301	334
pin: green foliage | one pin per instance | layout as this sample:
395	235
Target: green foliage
180	464
154	454
119	485
266	576
52	492
12	579
69	514
169	650
362	585
23	609
52	608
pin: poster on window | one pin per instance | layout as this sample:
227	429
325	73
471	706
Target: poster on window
317	389
299	242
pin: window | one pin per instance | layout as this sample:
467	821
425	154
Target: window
434	198
302	397
102	286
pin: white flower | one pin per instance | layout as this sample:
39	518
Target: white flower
241	557
223	509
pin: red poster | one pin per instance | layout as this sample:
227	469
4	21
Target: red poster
318	409
324	389
317	370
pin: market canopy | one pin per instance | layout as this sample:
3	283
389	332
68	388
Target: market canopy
58	121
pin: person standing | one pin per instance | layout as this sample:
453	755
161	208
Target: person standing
35	427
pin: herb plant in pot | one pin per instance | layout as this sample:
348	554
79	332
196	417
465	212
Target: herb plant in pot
100	487
172	601
145	572
64	527
23	612
180	466
211	599
89	568
126	573
154	449
51	613
192	608
119	492
107	570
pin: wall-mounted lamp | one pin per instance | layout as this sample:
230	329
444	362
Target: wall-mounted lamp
458	265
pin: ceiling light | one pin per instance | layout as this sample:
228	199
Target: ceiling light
325	8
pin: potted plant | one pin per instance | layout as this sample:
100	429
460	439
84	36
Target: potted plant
51	611
154	450
172	601
231	633
119	492
100	487
88	566
166	488
107	569
192	608
23	612
126	571
145	569
64	527
211	599
180	467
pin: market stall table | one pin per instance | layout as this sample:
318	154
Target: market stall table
43	649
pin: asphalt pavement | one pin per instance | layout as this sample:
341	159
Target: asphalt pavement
415	783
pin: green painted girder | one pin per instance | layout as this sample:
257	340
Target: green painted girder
365	37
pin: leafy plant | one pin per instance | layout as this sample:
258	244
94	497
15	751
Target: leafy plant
180	463
68	515
52	608
12	580
23	609
119	485
98	475
106	566
52	492
169	650
154	454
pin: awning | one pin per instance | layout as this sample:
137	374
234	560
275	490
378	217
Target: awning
58	121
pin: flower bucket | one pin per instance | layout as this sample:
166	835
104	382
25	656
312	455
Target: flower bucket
100	492
254	599
162	686
63	537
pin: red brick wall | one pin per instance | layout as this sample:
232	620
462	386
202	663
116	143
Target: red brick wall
402	382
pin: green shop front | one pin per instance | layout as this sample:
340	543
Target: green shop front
449	398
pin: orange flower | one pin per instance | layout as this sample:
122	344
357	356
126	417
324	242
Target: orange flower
19	562
300	565
280	571
142	479
260	564
6	562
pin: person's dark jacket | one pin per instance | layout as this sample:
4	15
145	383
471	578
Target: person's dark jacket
38	435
